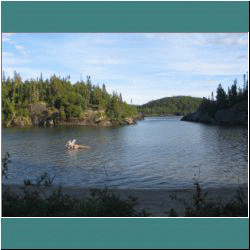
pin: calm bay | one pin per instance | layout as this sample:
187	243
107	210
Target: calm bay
156	153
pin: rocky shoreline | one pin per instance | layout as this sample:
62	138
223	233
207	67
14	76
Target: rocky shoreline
90	118
235	115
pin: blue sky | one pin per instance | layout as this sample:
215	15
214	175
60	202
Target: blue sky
141	66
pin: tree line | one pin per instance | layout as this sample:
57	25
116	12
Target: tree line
71	100
177	105
223	99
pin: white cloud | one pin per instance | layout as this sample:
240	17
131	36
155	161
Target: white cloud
28	73
232	39
9	38
7	54
103	41
105	61
140	66
209	68
9	59
6	37
19	47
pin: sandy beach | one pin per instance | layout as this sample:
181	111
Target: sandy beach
158	202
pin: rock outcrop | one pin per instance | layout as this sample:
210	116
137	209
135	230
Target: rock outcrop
98	118
235	115
41	115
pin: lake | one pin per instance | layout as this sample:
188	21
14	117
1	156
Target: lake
156	153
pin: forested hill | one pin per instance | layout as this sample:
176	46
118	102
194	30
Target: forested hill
57	100
176	105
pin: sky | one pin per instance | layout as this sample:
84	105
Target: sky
141	66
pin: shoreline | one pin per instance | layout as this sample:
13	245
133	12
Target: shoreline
90	122
158	202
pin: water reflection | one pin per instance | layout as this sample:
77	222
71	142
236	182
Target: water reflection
155	153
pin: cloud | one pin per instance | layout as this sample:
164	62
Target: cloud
28	73
209	68
141	66
106	61
242	57
9	59
103	41
6	37
200	39
232	39
227	39
7	54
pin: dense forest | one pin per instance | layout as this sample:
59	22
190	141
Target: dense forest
177	105
56	100
229	107
225	100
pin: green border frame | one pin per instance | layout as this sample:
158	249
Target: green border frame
111	233
26	17
125	16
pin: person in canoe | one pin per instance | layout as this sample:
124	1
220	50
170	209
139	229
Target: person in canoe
72	145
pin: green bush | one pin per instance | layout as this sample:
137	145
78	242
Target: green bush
105	203
100	203
202	208
33	202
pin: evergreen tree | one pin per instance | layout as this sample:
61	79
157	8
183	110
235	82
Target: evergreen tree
233	93
245	90
3	77
59	94
221	97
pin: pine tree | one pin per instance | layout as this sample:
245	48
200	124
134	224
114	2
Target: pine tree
233	92
245	90
212	96
3	77
221	97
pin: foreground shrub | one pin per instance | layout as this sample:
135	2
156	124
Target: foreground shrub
33	201
105	203
201	207
100	203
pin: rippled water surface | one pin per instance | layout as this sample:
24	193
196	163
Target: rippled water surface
160	152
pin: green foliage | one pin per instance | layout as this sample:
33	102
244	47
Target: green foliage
62	113
100	203
232	96
34	202
118	110
105	203
201	207
177	105
224	100
209	107
173	213
5	162
45	180
221	97
70	100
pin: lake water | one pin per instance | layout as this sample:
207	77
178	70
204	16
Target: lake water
158	152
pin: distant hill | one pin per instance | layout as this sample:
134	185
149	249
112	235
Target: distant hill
176	105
